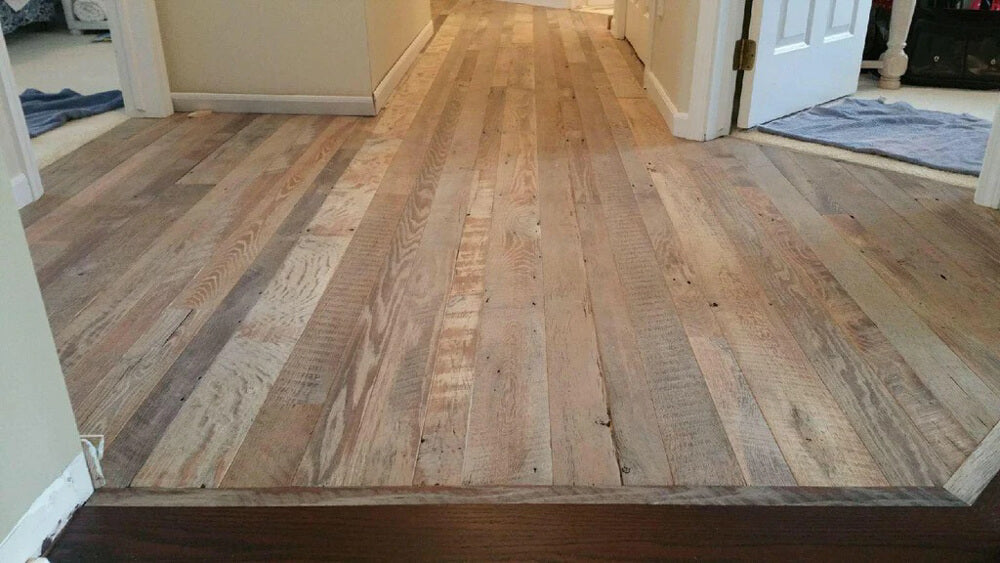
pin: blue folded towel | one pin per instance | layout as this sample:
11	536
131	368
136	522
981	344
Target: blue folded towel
44	112
945	141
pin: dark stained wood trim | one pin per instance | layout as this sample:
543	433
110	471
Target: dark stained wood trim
520	531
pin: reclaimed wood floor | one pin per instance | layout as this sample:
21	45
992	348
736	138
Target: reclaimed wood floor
513	276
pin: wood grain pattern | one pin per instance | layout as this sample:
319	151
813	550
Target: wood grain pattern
515	286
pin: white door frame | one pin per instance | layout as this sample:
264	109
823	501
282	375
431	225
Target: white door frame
27	182
988	190
142	71
713	82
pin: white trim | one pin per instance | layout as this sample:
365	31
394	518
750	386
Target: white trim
988	191
558	4
395	75
274	103
713	86
142	68
26	163
618	19
46	516
679	122
22	190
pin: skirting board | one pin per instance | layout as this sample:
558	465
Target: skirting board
558	4
678	121
22	190
395	75
274	103
51	511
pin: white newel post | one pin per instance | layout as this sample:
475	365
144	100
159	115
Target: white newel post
894	61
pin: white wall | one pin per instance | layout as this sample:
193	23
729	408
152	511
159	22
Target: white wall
38	435
392	25
291	47
672	54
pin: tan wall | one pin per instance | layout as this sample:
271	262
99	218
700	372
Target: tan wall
38	436
392	26
313	47
672	52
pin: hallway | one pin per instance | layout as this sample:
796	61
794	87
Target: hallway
515	275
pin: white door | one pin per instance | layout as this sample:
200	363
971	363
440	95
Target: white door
808	52
637	27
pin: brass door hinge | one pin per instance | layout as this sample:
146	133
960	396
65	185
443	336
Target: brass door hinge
745	54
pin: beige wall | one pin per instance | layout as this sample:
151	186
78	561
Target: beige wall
38	436
312	47
672	52
392	26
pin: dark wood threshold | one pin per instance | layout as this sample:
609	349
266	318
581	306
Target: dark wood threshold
551	531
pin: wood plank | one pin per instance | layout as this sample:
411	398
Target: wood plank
957	305
100	346
582	448
385	447
478	531
817	440
509	438
976	472
969	400
330	457
300	497
697	447
645	144
795	282
201	442
638	443
296	401
220	163
210	327
72	173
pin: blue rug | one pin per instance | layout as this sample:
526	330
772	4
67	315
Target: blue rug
44	112
945	141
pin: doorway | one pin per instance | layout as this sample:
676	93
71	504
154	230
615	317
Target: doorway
141	73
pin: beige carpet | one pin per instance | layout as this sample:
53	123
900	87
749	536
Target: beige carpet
52	60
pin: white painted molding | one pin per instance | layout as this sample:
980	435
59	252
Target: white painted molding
713	86
988	190
22	190
51	511
678	121
618	19
274	103
395	75
26	164
142	67
560	4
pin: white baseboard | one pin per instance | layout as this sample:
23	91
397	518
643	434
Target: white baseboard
679	122
274	103
51	511
395	75
559	4
22	190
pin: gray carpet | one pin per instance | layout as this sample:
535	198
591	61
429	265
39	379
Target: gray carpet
944	141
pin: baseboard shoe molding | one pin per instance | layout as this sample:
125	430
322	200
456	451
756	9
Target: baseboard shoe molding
274	103
976	472
679	122
395	75
46	517
22	190
557	4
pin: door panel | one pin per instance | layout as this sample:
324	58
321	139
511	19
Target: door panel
808	52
